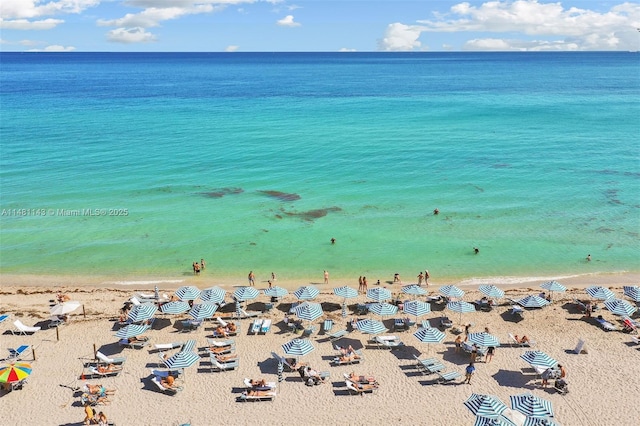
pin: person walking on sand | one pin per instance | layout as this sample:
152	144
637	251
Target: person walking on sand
360	284
468	372
420	278
364	284
326	277
426	277
252	279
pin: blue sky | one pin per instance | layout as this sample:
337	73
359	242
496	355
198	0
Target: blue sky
319	25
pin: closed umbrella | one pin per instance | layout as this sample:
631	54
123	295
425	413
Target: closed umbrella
369	326
142	312
484	339
378	294
451	291
307	292
175	307
131	330
485	405
298	347
601	293
491	291
65	307
188	292
308	311
429	335
539	359
414	290
417	308
461	307
620	307
632	291
213	295
531	405
200	311
346	293
383	309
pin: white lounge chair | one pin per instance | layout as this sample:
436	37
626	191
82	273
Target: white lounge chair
257	325
266	326
267	385
267	396
390	342
447	377
358	389
106	360
221	343
24	329
169	391
338	335
226	366
516	342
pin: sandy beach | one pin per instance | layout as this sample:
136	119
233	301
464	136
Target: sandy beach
601	381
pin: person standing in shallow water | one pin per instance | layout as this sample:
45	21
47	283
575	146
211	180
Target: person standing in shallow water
326	277
252	279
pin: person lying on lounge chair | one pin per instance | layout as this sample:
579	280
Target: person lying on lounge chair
168	382
258	383
136	339
221	331
295	364
61	297
365	386
219	349
362	379
100	390
523	339
225	358
348	354
255	392
108	368
313	374
231	327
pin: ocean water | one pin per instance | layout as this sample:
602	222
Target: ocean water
138	163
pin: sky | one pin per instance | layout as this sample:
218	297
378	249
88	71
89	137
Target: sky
318	25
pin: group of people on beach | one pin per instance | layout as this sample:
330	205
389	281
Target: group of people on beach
198	266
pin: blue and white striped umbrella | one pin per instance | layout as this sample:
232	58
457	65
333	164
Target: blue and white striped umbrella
181	360
632	291
414	290
417	308
383	309
188	292
275	291
131	330
308	311
201	311
451	291
553	286
484	339
238	309
620	307
492	291
601	293
378	294
245	293
370	326
539	358
485	405
461	307
533	301
429	335
346	292
142	312
213	295
298	347
175	308
307	292
498	421
531	405
537	421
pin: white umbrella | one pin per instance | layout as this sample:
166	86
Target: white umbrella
65	308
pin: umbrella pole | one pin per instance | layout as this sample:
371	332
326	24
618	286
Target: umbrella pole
84	313
95	352
57	334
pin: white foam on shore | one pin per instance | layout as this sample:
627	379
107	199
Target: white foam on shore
144	282
516	280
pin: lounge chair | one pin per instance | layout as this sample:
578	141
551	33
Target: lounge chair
468	348
24	329
257	325
163	347
400	324
362	309
424	362
266	326
16	353
338	335
516	342
445	322
250	314
190	325
3	318
635	340
228	333
106	360
446	377
226	366
268	307
388	342
55	321
267	396
629	326
351	360
136	344
221	350
169	391
327	325
308	331
357	389
267	385
517	312
429	365
94	371
606	325
221	343
287	366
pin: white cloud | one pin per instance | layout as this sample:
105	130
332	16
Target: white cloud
347	49
400	37
573	28
288	21
54	48
153	16
24	24
231	48
130	35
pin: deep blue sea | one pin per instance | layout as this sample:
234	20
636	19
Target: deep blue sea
141	163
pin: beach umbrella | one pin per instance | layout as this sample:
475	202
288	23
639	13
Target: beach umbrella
484	339
188	292
142	312
531	406
533	301
497	421
632	291
485	405
620	307
275	291
213	295
538	421
451	291
181	360
601	293
14	372
65	307
492	291
307	292
553	286
131	330
539	359
346	293
378	294
417	308
414	290
175	307
298	347
369	326
461	307
429	335
383	309
200	311
280	371
308	311
243	294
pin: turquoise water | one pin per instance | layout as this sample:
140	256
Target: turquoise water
142	163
